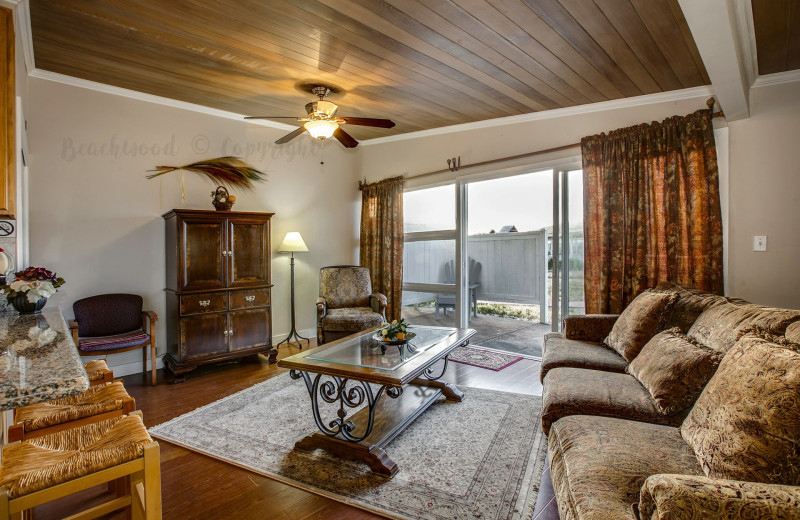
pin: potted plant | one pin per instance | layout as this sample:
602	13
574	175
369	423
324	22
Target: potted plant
31	288
394	331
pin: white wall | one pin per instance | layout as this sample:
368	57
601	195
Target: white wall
765	197
96	219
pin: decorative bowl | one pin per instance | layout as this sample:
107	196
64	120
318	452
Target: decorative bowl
408	336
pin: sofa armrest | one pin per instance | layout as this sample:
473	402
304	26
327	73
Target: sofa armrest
589	327
689	497
378	302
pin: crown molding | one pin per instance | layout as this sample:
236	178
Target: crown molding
150	98
790	76
614	104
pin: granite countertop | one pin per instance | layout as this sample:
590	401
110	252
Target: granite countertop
38	360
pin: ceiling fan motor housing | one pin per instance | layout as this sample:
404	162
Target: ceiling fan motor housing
321	109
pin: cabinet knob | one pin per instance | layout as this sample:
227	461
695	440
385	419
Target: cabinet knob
250	298
205	303
230	332
224	253
225	333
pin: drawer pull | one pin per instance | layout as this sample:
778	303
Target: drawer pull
250	298
205	303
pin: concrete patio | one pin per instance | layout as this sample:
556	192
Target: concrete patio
507	334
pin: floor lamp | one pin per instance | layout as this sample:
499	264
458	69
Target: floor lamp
293	243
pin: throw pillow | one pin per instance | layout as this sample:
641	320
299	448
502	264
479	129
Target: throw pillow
639	322
746	423
674	370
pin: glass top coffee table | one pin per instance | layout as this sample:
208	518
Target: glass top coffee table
384	386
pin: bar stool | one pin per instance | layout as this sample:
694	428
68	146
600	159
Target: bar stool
98	372
40	470
99	402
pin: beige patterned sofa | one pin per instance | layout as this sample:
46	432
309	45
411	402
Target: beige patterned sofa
620	446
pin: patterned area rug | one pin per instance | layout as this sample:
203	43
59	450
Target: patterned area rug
483	358
481	458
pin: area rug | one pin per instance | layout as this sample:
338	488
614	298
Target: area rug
483	358
481	458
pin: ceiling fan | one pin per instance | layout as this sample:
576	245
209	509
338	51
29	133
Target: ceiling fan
323	123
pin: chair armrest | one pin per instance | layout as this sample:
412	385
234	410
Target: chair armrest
73	328
378	302
690	497
152	317
322	309
589	327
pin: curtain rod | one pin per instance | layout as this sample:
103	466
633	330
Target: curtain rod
454	164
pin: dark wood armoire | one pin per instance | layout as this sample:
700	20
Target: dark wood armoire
218	287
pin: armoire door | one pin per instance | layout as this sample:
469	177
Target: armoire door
248	329
249	249
203	336
203	254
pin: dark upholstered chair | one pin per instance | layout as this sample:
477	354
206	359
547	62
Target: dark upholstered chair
346	303
113	323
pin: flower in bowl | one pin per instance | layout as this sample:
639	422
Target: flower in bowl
35	282
396	330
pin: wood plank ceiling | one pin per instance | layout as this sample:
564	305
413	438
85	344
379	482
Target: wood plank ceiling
777	28
422	63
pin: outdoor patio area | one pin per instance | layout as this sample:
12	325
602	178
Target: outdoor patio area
507	334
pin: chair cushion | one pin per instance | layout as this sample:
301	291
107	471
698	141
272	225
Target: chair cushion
598	464
126	340
720	327
351	319
108	314
639	322
96	400
578	391
674	370
345	286
690	304
793	332
746	423
46	461
562	352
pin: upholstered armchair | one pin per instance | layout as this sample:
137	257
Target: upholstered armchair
346	303
112	323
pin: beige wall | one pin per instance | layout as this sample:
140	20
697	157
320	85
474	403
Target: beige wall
765	198
96	219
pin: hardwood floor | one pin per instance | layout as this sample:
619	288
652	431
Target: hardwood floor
195	486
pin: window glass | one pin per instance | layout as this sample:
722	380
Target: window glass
431	209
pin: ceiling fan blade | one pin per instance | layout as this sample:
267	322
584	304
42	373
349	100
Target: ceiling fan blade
291	135
368	121
346	139
270	117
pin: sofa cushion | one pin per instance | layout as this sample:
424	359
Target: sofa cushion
746	423
598	464
688	306
351	319
674	370
578	391
639	322
562	352
720	327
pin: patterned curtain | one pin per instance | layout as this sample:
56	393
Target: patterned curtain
382	240
651	210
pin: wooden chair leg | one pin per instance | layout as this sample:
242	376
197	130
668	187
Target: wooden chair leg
152	482
153	377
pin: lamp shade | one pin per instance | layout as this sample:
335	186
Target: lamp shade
293	243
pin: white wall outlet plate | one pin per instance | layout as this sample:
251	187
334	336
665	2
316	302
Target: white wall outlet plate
760	243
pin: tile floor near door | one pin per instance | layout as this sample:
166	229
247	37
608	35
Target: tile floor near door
506	334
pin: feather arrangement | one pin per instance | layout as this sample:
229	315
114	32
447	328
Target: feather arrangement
226	171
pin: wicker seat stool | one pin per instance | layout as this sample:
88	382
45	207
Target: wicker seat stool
98	372
99	402
40	470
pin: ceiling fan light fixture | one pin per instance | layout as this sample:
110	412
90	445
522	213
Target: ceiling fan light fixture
321	128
